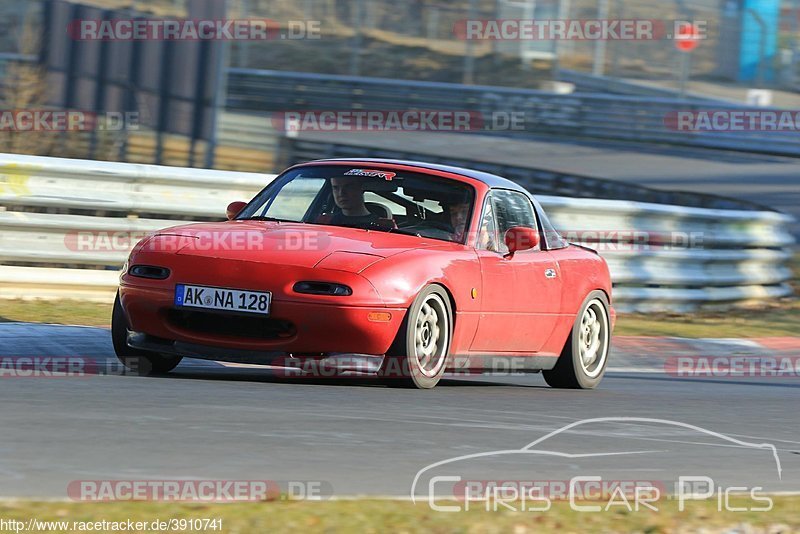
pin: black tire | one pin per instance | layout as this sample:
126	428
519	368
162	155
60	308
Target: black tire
570	371
407	363
139	362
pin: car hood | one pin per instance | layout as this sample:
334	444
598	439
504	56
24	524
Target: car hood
303	245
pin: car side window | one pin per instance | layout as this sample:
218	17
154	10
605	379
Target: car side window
487	233
511	209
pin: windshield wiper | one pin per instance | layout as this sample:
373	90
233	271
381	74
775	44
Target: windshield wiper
403	231
264	218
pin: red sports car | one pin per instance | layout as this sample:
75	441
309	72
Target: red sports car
394	268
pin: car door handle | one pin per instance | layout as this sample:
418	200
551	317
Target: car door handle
550	273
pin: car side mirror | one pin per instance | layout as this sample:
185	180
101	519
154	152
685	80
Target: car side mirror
234	209
520	238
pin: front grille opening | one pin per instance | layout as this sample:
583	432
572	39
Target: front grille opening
232	325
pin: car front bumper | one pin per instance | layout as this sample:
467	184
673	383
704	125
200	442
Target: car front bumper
315	328
315	365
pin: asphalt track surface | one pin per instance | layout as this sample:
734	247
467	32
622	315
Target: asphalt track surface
768	180
212	422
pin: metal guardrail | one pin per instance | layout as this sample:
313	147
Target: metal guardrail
732	255
586	115
96	187
590	83
50	204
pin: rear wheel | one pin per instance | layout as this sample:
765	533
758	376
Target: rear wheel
418	357
140	362
583	361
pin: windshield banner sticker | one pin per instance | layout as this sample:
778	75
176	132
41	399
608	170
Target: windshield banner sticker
370	173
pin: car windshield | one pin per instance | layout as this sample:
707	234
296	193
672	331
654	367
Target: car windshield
373	199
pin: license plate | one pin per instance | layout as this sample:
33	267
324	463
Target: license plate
214	298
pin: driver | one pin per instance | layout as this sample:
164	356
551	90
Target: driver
458	219
348	194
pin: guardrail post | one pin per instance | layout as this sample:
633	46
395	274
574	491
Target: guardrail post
358	22
599	65
469	54
168	51
200	99
131	103
100	87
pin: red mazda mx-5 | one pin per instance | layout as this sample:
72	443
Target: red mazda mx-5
394	268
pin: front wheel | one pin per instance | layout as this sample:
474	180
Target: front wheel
140	362
418	357
583	361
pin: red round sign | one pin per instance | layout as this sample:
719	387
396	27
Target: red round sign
687	38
